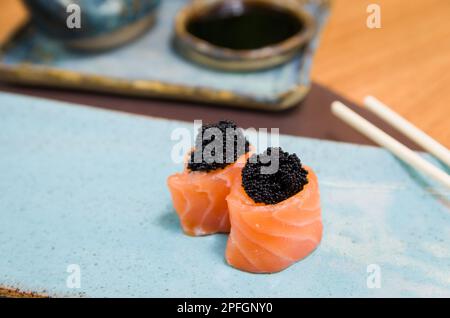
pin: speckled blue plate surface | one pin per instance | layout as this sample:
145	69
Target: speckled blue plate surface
88	187
149	66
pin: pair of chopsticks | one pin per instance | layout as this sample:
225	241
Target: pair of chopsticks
398	149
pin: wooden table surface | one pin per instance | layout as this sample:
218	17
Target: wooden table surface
405	63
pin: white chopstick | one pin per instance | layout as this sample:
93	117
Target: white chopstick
381	138
408	129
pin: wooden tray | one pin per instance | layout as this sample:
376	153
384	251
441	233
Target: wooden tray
150	67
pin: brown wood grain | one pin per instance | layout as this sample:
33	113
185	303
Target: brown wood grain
12	16
406	63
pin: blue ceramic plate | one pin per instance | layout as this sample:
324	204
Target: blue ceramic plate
87	188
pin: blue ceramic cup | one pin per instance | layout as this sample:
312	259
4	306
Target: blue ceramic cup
103	24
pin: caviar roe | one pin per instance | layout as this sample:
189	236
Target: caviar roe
271	188
229	131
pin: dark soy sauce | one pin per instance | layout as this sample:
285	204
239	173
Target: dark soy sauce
240	26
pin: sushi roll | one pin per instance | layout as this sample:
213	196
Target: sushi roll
275	217
199	192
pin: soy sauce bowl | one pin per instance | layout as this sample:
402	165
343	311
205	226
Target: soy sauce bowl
205	31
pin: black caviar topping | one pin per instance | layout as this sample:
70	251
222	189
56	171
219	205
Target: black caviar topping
271	186
204	157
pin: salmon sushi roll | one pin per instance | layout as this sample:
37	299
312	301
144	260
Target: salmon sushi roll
199	192
275	217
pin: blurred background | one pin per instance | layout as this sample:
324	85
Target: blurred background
405	63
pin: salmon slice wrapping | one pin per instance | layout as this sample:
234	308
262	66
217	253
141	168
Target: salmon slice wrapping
199	198
269	238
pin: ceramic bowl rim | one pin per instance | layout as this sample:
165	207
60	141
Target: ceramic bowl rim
197	46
